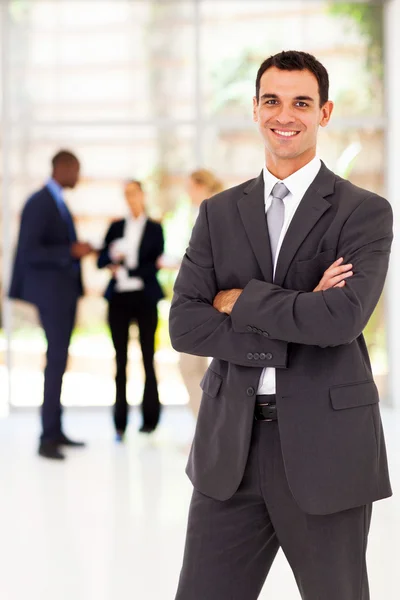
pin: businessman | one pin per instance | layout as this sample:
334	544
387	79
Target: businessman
47	273
279	280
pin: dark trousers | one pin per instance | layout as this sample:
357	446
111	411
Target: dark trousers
58	323
231	545
124	308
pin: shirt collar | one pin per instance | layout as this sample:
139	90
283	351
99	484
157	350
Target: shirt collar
139	221
298	182
55	189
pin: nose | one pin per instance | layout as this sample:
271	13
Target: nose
285	115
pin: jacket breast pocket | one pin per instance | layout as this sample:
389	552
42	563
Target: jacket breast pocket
308	273
354	395
211	383
320	261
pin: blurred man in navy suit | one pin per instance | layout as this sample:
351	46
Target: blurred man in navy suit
47	273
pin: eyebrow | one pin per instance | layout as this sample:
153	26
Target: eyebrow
274	96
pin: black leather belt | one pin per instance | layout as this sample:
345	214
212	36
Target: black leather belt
265	408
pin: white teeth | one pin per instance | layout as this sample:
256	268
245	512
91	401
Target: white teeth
286	133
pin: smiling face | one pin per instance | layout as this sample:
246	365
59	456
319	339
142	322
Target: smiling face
288	114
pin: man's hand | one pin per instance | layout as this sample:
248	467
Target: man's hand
226	300
335	276
80	249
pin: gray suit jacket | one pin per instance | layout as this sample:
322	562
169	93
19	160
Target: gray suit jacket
329	421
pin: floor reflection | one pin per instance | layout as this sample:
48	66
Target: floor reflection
111	520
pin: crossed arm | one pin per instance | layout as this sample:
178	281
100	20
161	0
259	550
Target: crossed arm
196	327
334	277
331	315
208	322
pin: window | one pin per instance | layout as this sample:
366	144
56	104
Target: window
153	89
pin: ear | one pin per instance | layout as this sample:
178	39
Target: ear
326	112
255	109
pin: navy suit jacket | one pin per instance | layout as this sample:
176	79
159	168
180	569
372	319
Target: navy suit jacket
150	249
44	272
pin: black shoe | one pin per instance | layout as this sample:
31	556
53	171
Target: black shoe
63	440
50	450
146	429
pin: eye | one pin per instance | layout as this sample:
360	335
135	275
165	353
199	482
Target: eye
302	104
271	101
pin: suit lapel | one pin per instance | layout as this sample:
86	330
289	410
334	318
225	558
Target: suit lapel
310	210
252	212
58	216
144	240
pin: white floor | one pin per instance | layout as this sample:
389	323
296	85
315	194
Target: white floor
110	521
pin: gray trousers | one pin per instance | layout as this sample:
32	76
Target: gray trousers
231	545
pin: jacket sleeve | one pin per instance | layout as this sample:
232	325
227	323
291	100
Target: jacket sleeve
34	248
336	316
149	269
196	327
104	258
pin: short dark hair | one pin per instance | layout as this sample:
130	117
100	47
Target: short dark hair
63	157
136	181
293	60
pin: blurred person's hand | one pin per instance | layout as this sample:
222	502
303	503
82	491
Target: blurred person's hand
117	250
81	249
335	276
114	270
159	263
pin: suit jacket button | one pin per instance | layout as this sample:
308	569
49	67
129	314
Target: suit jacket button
265	334
256	356
263	356
269	356
259	331
250	356
249	328
250	391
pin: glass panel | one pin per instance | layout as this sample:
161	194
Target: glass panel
74	68
347	40
118	61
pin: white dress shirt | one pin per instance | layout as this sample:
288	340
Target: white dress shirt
128	247
297	184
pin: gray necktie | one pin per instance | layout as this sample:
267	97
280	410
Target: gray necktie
276	215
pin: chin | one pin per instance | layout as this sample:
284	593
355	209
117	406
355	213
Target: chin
286	155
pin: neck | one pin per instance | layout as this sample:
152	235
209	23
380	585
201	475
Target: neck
57	180
136	215
283	168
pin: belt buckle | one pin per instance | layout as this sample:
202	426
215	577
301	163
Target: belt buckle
265	420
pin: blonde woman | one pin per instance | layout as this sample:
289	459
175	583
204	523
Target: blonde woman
201	185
